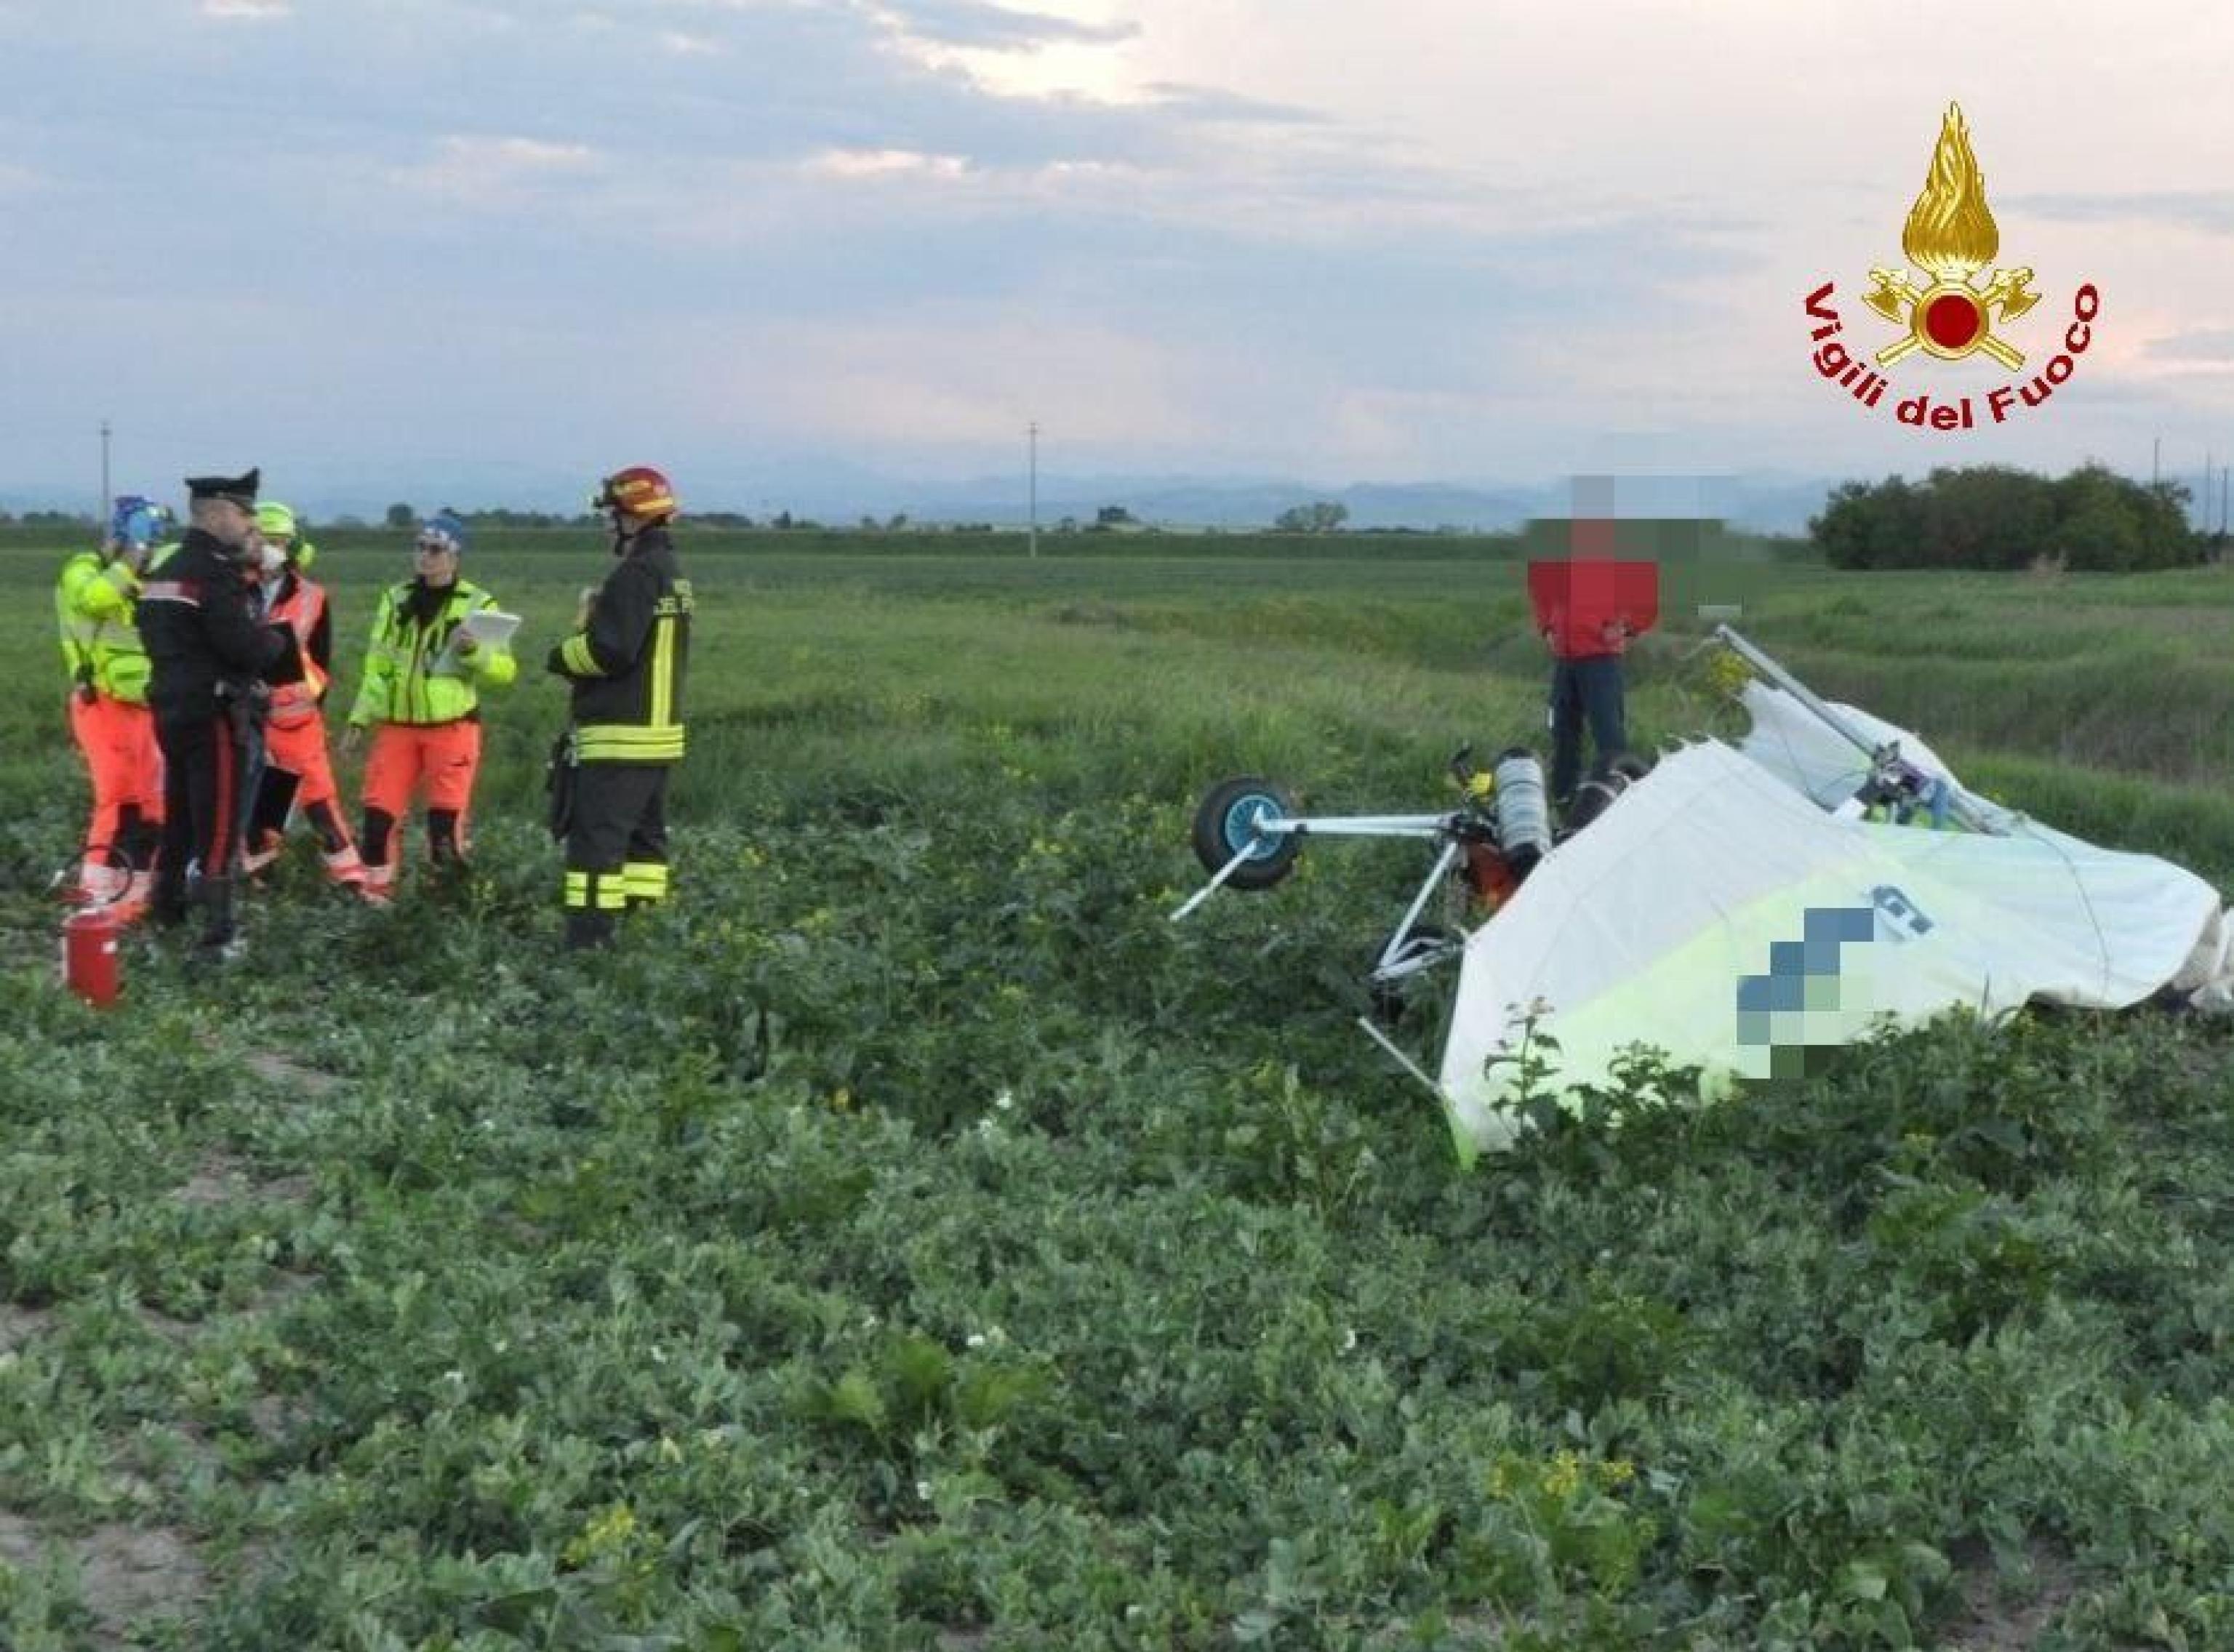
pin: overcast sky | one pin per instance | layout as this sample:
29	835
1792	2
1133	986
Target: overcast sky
491	242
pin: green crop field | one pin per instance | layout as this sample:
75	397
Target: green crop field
913	1240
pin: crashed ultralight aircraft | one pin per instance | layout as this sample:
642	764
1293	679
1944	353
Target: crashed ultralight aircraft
1744	905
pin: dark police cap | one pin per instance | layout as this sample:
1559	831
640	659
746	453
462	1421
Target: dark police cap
241	490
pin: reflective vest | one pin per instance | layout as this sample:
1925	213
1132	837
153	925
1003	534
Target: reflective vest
100	645
411	675
296	704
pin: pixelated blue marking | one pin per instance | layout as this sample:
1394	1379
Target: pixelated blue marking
1804	973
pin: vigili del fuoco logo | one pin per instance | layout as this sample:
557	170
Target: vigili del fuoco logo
1950	236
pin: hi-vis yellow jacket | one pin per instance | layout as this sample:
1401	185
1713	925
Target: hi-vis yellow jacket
410	673
100	645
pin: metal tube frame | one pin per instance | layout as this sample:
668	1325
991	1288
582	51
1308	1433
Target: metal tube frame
1341	825
1959	804
1386	967
1355	826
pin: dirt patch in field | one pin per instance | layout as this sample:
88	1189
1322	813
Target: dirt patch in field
20	1543
1993	1620
277	1416
22	1326
286	1284
128	1572
220	1178
286	1190
125	1572
174	1456
176	1332
1466	1631
216	1180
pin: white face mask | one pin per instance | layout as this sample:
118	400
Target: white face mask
271	559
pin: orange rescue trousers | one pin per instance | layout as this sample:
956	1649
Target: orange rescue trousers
441	761
298	778
126	766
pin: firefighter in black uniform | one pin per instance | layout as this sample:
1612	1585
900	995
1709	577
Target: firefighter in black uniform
625	660
212	659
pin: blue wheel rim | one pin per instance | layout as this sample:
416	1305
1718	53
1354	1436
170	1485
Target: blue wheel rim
1239	826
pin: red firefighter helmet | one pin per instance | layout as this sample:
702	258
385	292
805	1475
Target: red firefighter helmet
640	491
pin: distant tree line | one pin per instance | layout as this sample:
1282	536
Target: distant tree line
1995	516
403	516
1320	516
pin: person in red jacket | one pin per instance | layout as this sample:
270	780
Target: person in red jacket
299	772
1586	687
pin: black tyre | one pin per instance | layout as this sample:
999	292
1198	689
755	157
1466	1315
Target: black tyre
1225	825
1627	765
1608	779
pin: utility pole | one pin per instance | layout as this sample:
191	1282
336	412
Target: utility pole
1032	431
2223	471
2156	459
101	515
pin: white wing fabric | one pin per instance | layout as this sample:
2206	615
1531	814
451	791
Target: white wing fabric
1719	913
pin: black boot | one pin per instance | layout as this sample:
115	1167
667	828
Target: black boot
167	901
219	934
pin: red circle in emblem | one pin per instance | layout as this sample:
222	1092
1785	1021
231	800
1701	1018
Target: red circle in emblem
1952	320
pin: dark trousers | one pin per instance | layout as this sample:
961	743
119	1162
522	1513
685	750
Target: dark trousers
616	846
208	770
1585	689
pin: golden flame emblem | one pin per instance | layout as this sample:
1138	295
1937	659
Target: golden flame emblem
1950	234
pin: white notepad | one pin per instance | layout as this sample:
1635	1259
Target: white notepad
489	627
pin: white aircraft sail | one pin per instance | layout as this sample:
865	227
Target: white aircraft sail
1723	913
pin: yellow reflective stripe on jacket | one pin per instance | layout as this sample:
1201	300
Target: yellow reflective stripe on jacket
576	653
662	666
627	743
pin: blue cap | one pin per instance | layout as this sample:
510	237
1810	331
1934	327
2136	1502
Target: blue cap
136	521
444	528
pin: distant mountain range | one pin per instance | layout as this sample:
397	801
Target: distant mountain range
840	495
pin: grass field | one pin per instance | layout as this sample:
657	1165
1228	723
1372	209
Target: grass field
912	1240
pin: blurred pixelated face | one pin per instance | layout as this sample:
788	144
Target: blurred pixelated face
227	522
437	560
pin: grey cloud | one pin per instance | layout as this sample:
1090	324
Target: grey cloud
280	191
2209	210
975	24
371	93
2203	344
1208	103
